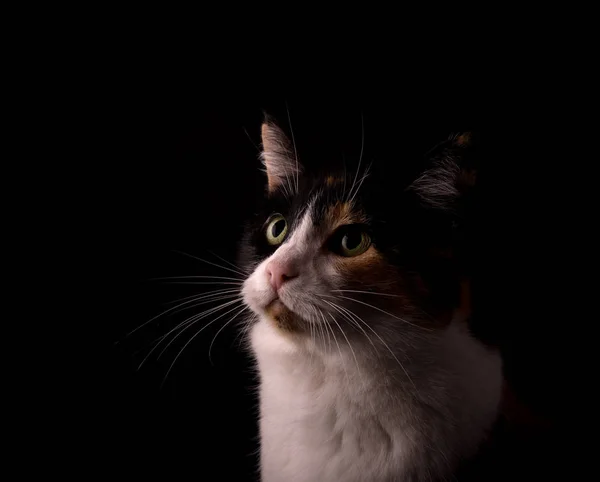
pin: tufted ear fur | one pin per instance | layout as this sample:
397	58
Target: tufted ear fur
450	174
279	158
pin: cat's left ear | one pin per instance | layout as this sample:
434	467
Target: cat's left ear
451	174
279	158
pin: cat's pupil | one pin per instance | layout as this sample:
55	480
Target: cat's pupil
278	228
353	240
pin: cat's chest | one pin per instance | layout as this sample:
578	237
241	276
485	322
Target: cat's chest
319	423
320	434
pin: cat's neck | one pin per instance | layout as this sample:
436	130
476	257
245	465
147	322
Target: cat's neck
424	408
414	363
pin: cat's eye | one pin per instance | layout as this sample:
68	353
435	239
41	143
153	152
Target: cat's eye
350	241
276	230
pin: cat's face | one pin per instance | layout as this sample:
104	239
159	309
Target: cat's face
335	249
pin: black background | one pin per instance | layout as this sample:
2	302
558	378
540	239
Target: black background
175	168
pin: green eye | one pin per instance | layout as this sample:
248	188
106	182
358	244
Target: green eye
354	242
276	230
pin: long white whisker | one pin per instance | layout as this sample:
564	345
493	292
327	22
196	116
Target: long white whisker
192	339
366	292
245	329
349	345
204	295
312	339
212	299
212	264
362	145
383	311
294	145
195	298
221	329
213	283
290	192
347	315
250	139
195	305
192	321
388	348
323	330
338	346
237	280
188	321
360	376
229	263
360	183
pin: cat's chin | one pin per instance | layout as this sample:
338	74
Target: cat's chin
282	317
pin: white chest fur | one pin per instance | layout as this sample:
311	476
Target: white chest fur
331	417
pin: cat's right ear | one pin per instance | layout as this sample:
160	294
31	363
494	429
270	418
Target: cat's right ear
451	173
279	158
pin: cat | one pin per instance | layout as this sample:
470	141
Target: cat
360	286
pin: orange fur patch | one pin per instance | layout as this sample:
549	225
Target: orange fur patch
282	317
340	214
331	181
370	271
464	139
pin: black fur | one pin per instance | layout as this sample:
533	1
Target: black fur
417	231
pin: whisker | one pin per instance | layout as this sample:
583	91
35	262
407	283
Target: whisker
214	283
323	331
341	310
221	329
192	339
195	298
230	263
383	311
349	345
362	145
184	324
237	280
388	348
205	294
192	320
288	186
360	376
338	346
208	262
212	299
366	292
312	339
194	305
294	145
245	329
250	139
360	183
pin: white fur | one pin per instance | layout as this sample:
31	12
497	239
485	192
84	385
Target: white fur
319	423
350	412
317	274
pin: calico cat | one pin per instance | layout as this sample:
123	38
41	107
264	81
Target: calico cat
368	370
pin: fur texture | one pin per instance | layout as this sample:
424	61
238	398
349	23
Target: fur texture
368	371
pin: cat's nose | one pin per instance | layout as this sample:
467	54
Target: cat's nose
279	272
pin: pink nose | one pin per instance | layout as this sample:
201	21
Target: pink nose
279	273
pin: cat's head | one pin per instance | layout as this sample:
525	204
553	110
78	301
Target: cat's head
345	247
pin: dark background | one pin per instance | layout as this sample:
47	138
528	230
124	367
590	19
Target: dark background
175	168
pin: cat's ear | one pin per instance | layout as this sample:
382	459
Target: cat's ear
279	158
450	175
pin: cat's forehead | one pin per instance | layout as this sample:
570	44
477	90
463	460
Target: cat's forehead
329	202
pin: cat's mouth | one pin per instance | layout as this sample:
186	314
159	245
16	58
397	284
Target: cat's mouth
283	317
